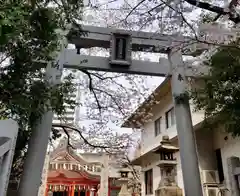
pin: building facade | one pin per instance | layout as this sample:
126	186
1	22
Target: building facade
73	174
218	152
72	115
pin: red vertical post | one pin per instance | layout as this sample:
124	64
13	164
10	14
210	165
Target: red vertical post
73	190
69	190
109	190
109	186
46	190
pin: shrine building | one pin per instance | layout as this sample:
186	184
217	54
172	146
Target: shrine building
68	173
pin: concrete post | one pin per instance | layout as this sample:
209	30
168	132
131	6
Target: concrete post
33	166
8	138
43	188
37	147
104	175
38	143
186	138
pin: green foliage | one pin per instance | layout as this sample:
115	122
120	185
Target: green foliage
28	32
219	94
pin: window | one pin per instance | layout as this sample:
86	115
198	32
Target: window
149	182
67	166
98	168
157	126
60	166
219	165
170	118
75	167
90	168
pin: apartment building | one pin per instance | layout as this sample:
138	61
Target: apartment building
72	114
69	117
218	152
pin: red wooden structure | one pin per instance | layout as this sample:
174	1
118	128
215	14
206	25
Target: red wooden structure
70	174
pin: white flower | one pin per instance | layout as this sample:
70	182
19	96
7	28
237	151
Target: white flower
226	9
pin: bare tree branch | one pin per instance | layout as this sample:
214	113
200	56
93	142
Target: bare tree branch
68	128
91	88
216	9
134	8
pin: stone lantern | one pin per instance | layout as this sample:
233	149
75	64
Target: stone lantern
167	164
124	181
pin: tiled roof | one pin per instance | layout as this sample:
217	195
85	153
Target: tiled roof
71	174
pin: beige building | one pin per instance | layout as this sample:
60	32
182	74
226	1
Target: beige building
218	152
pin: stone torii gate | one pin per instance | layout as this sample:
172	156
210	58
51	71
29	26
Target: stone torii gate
8	138
121	43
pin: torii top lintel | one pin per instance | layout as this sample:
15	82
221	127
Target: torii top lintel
141	41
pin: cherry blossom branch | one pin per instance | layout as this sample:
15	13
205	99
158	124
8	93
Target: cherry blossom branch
68	128
91	88
233	16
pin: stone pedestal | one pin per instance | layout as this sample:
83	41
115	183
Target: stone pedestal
124	190
169	191
124	181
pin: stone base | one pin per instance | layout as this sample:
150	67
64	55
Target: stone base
169	191
11	192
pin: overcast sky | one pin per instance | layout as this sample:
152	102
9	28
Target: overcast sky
106	15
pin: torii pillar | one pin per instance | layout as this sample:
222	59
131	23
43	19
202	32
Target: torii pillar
104	176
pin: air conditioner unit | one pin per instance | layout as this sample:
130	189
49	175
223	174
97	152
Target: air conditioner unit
211	191
210	177
215	191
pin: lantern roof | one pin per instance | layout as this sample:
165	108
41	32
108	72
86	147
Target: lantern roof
124	169
165	145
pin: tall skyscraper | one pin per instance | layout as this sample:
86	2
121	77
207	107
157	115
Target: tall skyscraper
72	114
